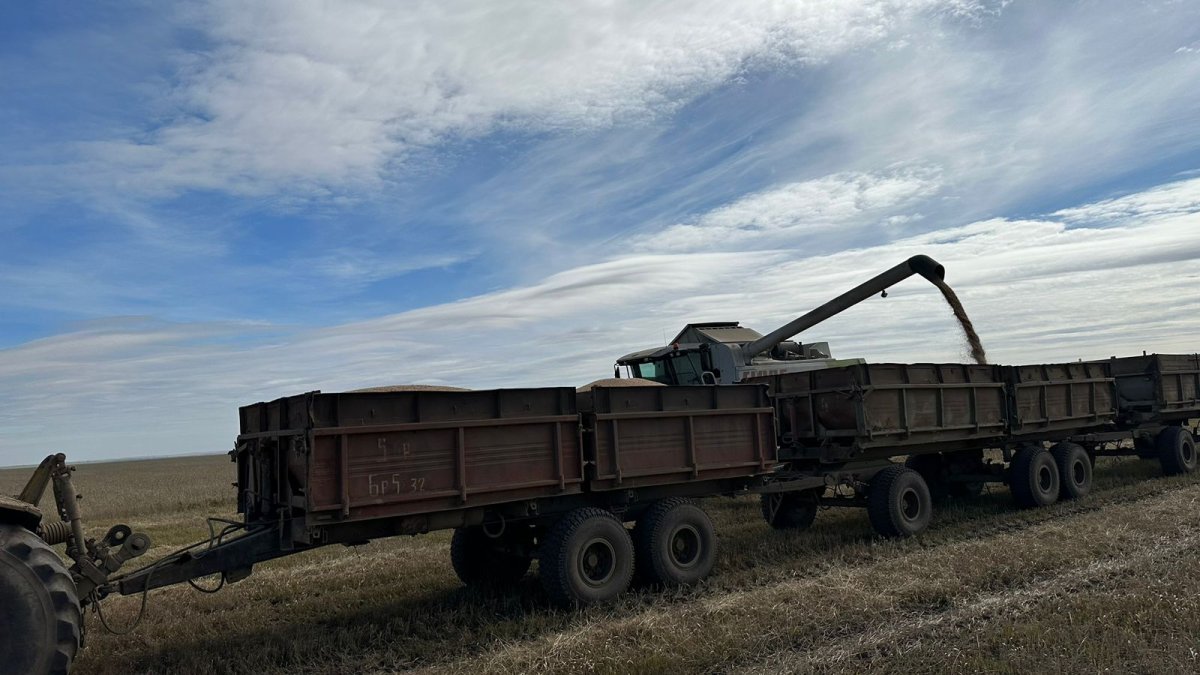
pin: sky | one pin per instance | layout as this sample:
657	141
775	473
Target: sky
207	204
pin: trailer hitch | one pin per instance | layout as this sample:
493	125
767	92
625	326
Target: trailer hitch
95	561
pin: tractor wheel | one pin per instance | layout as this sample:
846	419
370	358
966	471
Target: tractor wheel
791	510
898	502
1074	470
587	558
674	544
1176	451
480	560
1033	477
40	621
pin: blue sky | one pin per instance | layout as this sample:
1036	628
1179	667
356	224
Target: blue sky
205	204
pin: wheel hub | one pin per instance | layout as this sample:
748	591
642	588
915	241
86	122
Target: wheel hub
1045	479
910	504
597	563
685	546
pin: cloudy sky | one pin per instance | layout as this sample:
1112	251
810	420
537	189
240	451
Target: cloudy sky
207	204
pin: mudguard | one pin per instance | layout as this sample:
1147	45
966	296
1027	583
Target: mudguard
21	513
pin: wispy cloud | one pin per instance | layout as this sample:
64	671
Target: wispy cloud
1174	199
303	96
782	216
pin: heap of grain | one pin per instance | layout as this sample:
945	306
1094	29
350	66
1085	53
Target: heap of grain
619	382
405	387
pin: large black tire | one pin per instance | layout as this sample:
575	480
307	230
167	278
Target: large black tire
480	560
674	544
1074	470
1176	451
1033	477
587	558
40	620
791	510
898	502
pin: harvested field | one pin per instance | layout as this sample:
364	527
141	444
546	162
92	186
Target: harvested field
1110	583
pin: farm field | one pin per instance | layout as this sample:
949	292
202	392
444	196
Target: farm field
1111	583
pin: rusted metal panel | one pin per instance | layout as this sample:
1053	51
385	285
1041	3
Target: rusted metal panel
641	436
1054	397
386	454
838	413
1157	386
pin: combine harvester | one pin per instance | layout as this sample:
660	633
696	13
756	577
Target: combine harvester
555	474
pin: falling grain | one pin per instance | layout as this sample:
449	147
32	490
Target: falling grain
968	328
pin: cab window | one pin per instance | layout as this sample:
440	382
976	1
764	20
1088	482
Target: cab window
652	370
678	368
687	368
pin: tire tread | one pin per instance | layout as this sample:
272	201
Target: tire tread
553	569
47	566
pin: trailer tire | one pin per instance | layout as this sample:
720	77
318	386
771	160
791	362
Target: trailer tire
480	561
674	544
1034	478
1074	470
587	558
791	510
1176	451
41	624
898	502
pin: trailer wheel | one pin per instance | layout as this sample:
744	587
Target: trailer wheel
480	560
40	620
898	502
1176	451
674	544
1074	470
1033	477
791	510
587	558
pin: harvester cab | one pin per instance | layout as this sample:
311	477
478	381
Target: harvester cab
728	353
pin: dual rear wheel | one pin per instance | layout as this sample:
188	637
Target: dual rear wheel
1040	477
588	556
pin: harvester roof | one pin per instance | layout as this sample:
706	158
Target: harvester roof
724	332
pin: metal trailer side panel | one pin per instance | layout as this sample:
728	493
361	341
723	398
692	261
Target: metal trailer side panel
1059	398
1157	387
869	411
389	454
644	436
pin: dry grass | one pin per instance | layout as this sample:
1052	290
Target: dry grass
1111	583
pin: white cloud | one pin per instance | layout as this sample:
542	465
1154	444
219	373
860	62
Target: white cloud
1037	290
295	96
1179	198
782	216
